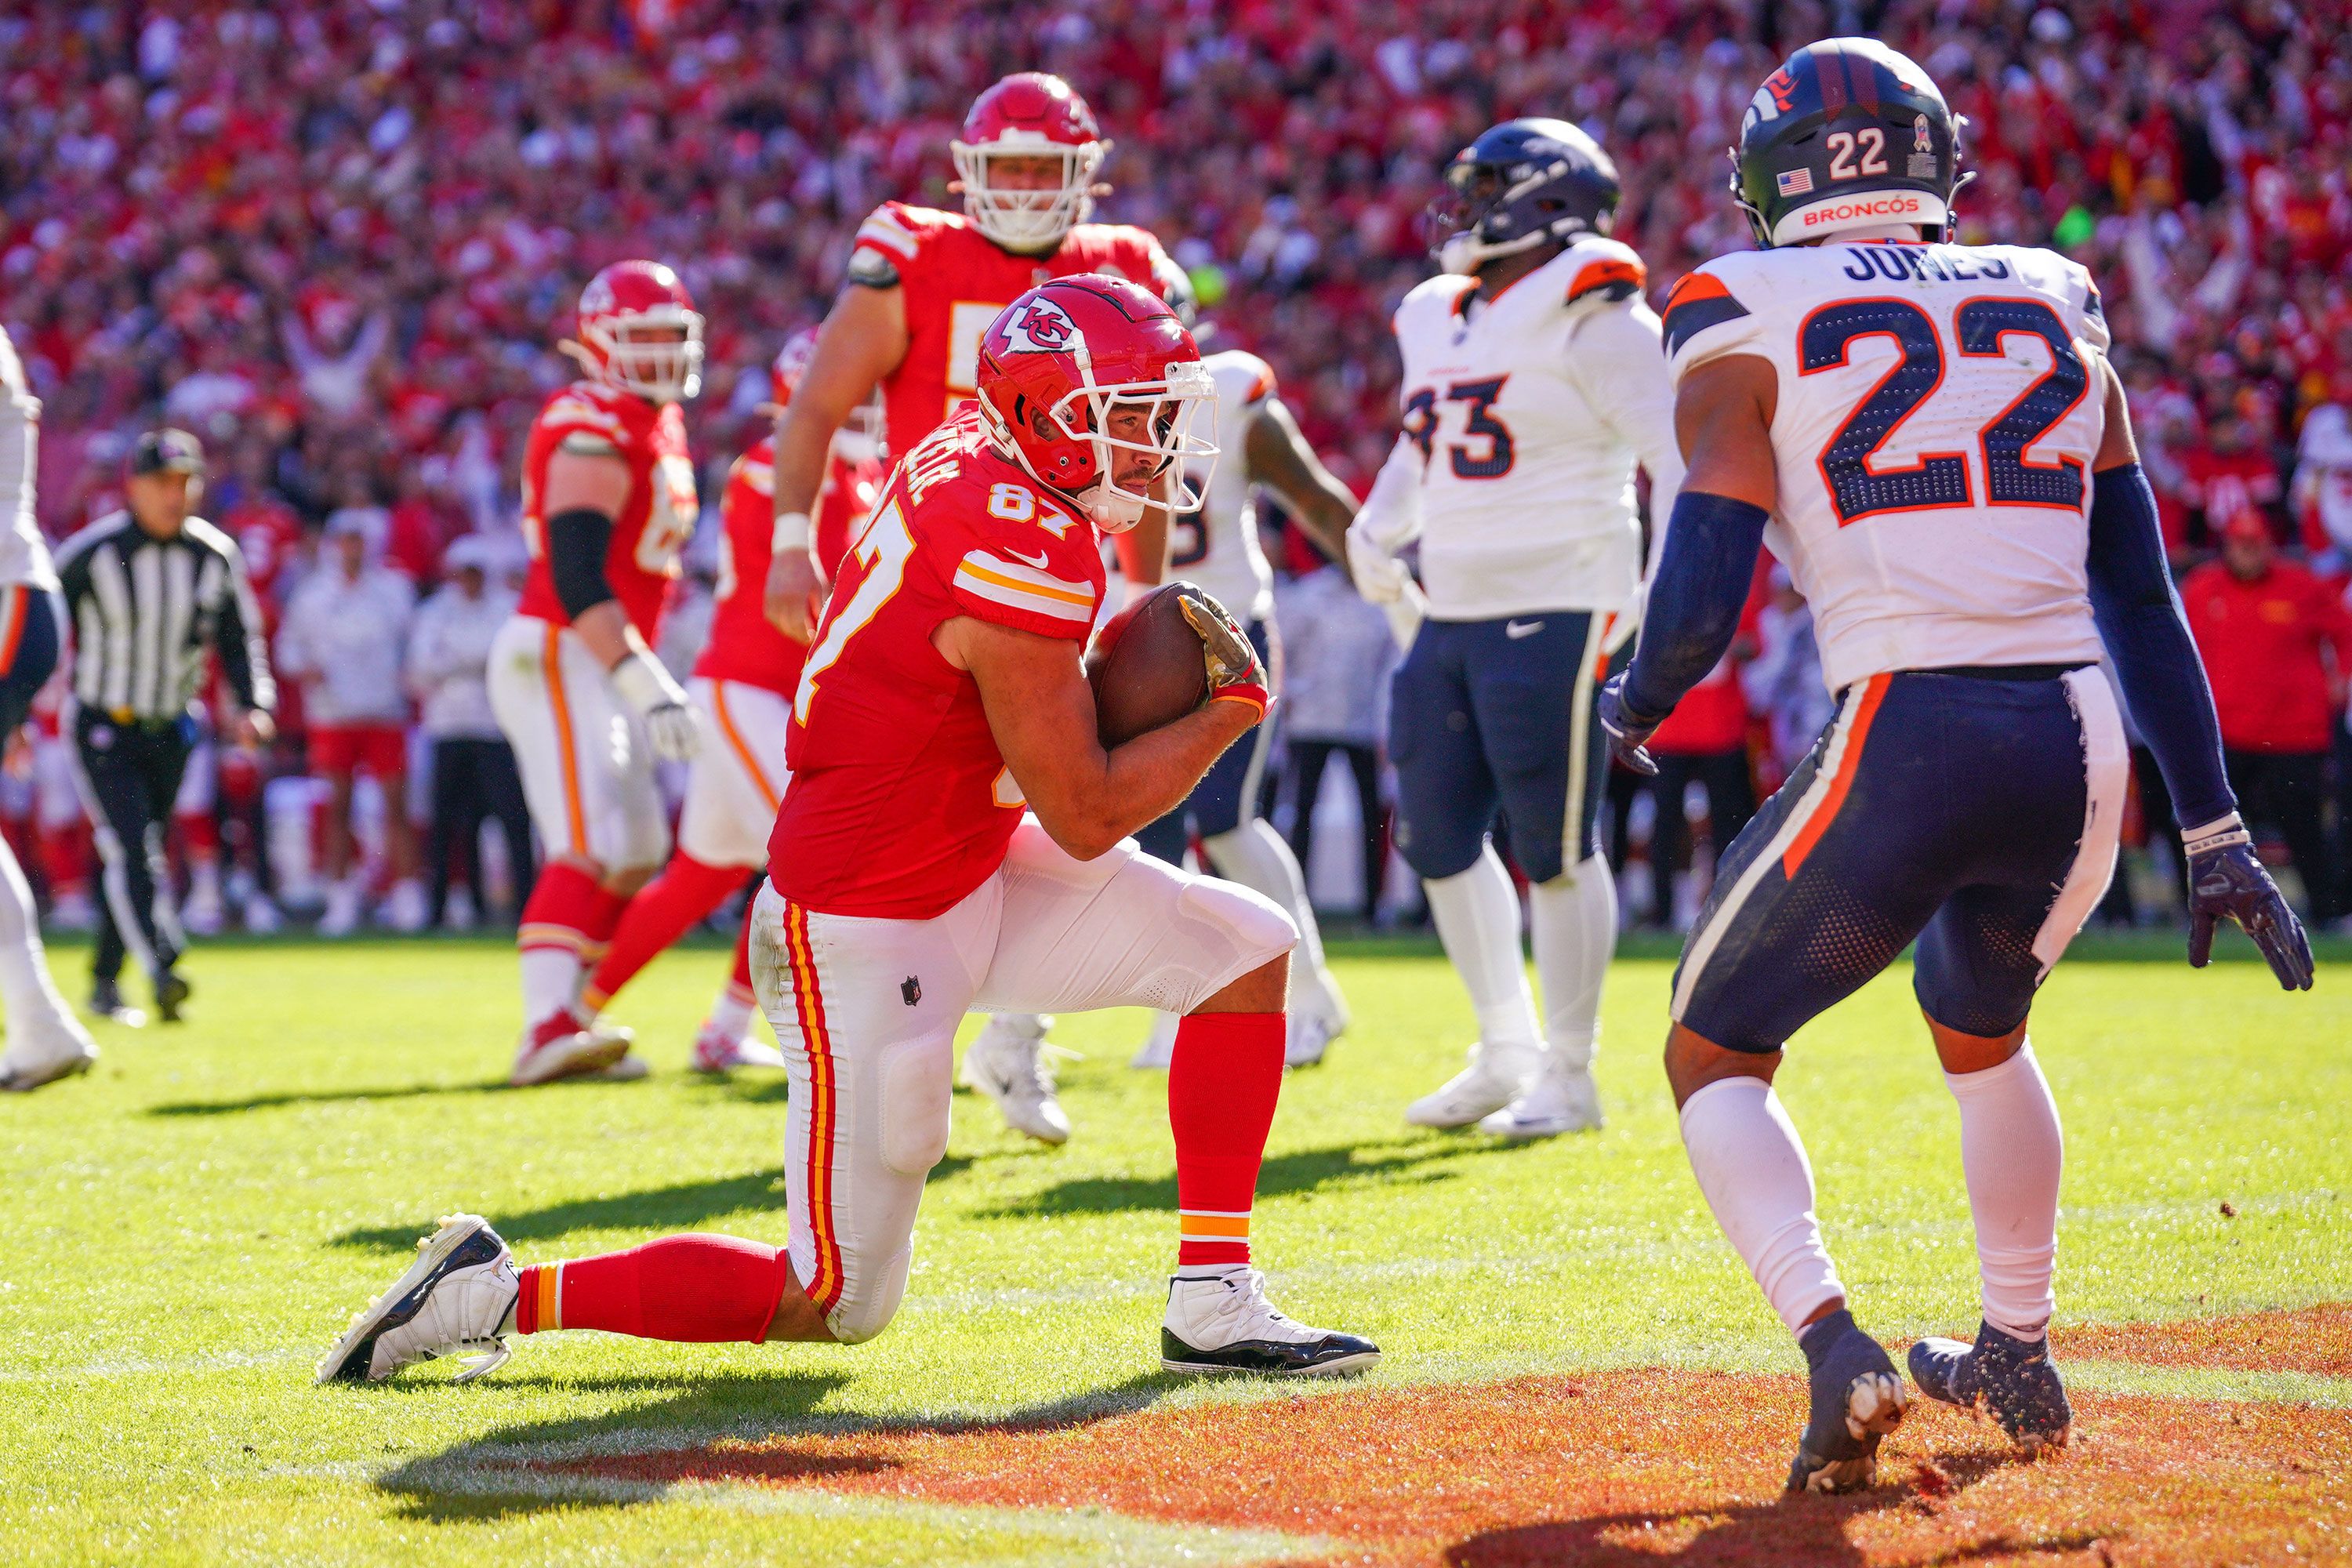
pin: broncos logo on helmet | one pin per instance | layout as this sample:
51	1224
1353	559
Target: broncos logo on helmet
1822	147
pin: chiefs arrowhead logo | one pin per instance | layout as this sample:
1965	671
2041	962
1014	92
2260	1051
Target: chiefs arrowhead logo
1040	327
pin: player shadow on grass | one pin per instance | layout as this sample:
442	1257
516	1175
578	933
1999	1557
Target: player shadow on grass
709	1432
680	1206
1811	1532
1299	1171
322	1097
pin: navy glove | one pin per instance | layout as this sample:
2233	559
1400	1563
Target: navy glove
1628	733
2227	881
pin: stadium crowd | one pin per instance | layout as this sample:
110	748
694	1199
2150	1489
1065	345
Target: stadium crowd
339	240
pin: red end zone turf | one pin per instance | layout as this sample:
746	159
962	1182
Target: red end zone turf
1637	1466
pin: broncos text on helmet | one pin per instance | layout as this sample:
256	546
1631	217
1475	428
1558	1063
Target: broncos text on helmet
1846	134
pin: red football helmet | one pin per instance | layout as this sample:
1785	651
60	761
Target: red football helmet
1080	370
1027	115
860	435
639	332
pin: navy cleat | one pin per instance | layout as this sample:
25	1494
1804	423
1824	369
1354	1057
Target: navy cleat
456	1298
1857	1399
2012	1380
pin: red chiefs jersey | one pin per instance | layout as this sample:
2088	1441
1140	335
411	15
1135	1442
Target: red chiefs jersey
654	523
956	281
900	803
744	644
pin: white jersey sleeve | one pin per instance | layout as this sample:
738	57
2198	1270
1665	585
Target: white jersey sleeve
1217	545
1618	358
23	553
1933	432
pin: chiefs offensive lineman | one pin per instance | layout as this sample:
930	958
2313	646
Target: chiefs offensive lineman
742	689
922	285
949	656
607	500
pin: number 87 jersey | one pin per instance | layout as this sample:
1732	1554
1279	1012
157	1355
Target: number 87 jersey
1939	410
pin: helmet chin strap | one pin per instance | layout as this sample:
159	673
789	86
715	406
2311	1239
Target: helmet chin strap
1110	511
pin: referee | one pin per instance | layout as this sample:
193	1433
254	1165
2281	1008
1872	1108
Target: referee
148	590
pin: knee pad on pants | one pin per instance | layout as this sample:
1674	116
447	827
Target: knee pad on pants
1226	931
867	1309
917	1083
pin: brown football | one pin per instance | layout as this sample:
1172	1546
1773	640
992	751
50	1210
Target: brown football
1146	667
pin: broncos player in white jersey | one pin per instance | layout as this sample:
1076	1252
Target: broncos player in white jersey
1216	545
46	1041
1929	435
1533	385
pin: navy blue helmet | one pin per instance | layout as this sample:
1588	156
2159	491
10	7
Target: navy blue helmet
1847	132
1519	184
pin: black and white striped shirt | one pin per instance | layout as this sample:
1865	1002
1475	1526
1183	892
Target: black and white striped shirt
145	610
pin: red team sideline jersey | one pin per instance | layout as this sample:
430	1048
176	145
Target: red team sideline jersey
744	644
955	281
900	803
653	523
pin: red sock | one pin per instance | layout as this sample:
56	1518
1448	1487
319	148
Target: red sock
600	920
685	892
742	978
1223	1081
199	834
564	903
700	1290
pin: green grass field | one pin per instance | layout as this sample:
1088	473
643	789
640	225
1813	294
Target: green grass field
187	1229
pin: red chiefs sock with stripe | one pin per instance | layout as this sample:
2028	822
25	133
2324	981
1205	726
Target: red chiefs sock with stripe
565	903
699	1289
1224	1079
664	910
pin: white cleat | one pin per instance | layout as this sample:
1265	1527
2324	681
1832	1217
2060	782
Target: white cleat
261	916
1159	1045
1309	1036
1496	1075
341	918
404	911
456	1298
42	1053
1223	1323
716	1051
565	1045
204	914
1007	1063
1562	1099
628	1070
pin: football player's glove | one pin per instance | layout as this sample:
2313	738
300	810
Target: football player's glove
1236	673
1629	734
660	701
1380	577
2226	881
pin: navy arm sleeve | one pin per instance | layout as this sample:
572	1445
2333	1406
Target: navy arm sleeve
1695	597
2147	636
576	543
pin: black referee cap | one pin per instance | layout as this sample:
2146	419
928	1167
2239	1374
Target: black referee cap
168	452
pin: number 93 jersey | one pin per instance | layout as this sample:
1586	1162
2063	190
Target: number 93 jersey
1939	410
900	803
1217	545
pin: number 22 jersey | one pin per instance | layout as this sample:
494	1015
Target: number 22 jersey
1939	410
899	803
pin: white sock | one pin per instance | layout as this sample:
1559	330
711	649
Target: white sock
1477	915
1573	921
2012	1154
1255	856
27	988
1753	1170
550	982
730	1016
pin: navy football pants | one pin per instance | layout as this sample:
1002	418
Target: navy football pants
1975	812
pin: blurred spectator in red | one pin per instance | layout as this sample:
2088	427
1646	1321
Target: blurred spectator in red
2227	478
345	635
2277	646
1703	742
